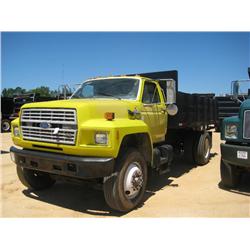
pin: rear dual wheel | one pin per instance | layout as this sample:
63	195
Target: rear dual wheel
197	147
125	188
202	148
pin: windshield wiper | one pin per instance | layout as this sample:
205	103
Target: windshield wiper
107	94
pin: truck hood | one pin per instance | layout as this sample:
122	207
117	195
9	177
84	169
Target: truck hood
245	104
91	108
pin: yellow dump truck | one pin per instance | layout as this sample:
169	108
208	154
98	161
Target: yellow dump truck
113	130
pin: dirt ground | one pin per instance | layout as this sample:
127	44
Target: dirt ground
187	191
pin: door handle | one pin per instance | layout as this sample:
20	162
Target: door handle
163	111
147	105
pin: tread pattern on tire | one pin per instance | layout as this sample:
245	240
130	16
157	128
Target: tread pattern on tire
199	153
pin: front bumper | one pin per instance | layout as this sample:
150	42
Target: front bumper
229	155
66	165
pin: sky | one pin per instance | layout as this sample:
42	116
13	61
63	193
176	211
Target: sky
207	62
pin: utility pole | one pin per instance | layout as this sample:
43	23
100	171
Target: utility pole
63	73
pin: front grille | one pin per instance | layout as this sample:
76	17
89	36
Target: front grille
246	126
49	125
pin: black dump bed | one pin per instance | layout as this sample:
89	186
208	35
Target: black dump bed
7	106
195	111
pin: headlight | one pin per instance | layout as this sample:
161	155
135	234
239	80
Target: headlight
231	131
16	131
101	138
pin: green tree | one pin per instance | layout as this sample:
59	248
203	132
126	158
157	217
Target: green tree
19	91
42	91
54	93
9	92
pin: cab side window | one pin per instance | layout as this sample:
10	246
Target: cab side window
150	93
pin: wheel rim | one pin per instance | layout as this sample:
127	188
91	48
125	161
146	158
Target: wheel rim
133	180
5	126
207	148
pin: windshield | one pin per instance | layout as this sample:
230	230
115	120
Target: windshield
119	88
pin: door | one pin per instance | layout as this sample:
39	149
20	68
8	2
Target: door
154	111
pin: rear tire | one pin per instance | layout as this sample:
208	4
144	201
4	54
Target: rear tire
34	179
125	188
230	176
202	148
5	125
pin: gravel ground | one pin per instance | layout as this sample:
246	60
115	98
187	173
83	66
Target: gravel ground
187	191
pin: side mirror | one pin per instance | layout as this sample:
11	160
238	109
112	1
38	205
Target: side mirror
171	91
172	109
235	89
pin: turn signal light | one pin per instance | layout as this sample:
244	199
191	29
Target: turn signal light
109	116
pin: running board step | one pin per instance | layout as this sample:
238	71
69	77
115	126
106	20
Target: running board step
164	171
163	156
163	160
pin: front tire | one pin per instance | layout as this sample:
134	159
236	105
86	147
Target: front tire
230	176
125	188
35	180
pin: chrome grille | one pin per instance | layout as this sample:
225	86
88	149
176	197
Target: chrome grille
246	126
62	116
49	125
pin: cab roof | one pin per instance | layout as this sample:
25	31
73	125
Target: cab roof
121	76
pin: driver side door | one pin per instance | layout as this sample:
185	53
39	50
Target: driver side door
154	111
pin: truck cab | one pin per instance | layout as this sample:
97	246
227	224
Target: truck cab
235	152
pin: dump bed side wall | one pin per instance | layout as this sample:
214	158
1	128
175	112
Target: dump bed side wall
195	111
7	105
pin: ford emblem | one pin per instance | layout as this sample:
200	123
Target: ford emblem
45	125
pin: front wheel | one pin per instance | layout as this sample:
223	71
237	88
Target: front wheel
230	176
124	189
34	179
